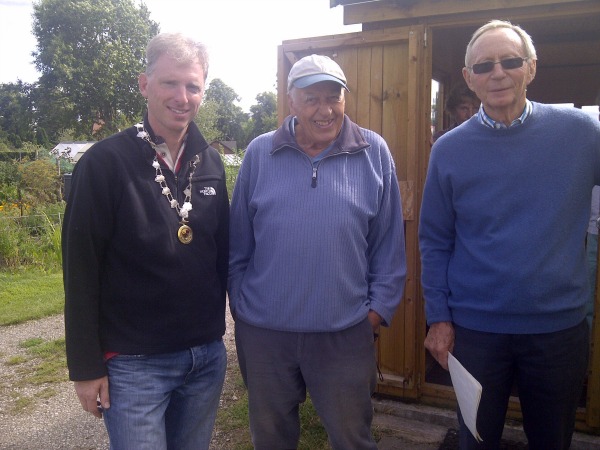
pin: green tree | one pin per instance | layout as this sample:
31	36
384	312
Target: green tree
16	113
40	182
207	119
263	115
230	116
10	179
89	54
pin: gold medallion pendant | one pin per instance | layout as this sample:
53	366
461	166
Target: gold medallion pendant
185	234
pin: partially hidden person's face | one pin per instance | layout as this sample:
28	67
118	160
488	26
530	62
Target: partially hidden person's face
174	92
502	91
319	109
464	111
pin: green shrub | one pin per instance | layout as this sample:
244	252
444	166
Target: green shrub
11	235
32	240
232	167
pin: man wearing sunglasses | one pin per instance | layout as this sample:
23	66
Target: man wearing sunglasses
502	231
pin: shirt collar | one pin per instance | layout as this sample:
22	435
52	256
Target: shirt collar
489	122
162	151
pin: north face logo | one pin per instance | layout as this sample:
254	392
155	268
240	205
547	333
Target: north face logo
208	191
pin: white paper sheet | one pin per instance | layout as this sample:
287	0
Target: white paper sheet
468	393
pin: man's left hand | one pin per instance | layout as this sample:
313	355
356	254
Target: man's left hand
375	320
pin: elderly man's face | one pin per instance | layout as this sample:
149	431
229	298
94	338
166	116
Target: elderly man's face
319	109
502	91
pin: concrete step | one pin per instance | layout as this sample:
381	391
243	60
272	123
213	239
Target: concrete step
420	427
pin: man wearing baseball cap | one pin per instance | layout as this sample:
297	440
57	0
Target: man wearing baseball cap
317	264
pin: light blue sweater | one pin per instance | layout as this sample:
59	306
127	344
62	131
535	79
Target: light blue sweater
503	223
314	248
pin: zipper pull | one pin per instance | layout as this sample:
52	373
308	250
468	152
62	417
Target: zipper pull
314	177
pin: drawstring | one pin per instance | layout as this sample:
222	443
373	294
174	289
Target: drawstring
379	373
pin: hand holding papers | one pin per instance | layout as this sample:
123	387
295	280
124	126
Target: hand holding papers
468	393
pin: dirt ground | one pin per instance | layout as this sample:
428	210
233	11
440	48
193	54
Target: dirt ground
35	417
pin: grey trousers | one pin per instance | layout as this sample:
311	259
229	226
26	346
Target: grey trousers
337	368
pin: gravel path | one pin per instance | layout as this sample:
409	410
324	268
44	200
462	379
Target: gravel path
55	420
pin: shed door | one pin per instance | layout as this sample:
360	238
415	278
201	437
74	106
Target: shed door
388	74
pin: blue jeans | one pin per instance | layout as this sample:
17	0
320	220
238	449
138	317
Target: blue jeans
165	401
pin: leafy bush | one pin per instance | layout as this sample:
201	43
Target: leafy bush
10	237
33	240
232	167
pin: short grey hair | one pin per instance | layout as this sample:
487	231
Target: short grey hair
526	40
178	46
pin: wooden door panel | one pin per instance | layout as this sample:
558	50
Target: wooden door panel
384	69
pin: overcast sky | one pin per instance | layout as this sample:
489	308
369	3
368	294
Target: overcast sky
242	36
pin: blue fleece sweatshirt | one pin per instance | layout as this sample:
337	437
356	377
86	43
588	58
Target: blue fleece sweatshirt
313	248
503	223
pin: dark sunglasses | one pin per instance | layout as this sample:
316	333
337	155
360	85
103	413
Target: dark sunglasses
507	64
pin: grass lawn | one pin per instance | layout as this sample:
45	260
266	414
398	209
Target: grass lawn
30	295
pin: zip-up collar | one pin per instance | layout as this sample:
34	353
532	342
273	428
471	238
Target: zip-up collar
350	139
195	143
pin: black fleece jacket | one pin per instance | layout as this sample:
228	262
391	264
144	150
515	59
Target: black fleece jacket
131	286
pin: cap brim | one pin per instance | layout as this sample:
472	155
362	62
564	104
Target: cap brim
309	80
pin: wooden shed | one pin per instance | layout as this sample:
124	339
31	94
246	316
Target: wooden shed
399	69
